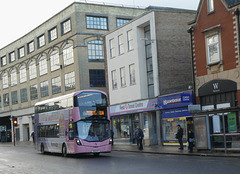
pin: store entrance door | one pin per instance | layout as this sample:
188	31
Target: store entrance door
134	123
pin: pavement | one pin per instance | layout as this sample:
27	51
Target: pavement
155	149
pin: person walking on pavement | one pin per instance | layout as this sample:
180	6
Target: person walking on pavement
139	137
179	136
190	140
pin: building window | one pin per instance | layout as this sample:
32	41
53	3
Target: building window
213	49
56	85
129	40
120	45
5	80
44	89
123	77
66	26
54	59
14	97
148	50
6	99
23	74
23	94
97	78
3	61
52	34
12	57
68	54
13	77
33	92
210	6
41	41
30	47
69	79
95	50
120	21
94	22
32	70
132	74
21	52
114	79
43	66
112	48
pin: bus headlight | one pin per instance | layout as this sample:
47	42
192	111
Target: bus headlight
78	142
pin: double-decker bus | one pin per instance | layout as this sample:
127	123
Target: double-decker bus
74	123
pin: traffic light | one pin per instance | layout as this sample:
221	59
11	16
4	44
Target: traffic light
15	123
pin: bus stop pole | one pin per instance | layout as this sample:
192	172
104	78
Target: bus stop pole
224	134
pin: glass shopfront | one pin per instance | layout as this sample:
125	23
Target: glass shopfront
174	112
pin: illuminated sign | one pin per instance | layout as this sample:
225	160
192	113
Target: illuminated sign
94	113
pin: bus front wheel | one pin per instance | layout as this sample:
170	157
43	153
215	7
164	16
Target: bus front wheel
64	150
42	148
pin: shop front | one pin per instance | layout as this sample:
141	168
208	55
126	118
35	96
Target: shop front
174	111
218	121
127	116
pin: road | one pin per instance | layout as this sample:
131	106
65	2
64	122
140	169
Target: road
23	160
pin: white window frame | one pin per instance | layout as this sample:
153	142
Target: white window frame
32	70
120	44
54	60
210	6
114	79
111	48
23	74
5	80
66	26
31	47
132	74
130	40
41	41
68	55
217	43
43	69
13	77
123	76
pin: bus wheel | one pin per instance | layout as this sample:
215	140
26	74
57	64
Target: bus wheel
42	148
64	150
96	154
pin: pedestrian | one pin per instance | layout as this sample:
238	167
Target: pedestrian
190	140
136	136
179	136
140	136
33	137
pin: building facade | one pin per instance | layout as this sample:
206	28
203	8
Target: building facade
147	58
215	48
62	55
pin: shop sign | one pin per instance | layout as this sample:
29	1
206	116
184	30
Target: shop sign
217	86
232	122
175	100
173	113
133	107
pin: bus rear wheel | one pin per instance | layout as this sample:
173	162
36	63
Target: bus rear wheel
64	150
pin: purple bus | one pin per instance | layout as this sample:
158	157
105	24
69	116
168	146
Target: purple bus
74	123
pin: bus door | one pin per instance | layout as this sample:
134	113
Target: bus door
70	137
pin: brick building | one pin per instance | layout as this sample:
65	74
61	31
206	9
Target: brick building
215	50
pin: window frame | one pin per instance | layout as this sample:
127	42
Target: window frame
130	40
3	61
207	37
121	21
21	52
43	66
34	93
23	95
69	80
210	6
22	74
120	44
114	79
132	74
95	50
14	97
93	21
12	55
56	81
44	90
97	78
30	47
66	26
123	76
112	48
68	55
41	41
53	32
13	77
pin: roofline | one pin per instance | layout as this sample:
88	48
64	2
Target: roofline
95	4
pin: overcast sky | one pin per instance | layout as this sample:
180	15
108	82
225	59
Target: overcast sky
18	17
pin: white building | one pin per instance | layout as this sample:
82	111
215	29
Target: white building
139	70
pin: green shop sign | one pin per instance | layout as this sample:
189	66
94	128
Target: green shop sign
232	122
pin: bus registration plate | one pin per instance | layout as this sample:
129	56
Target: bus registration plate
95	151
